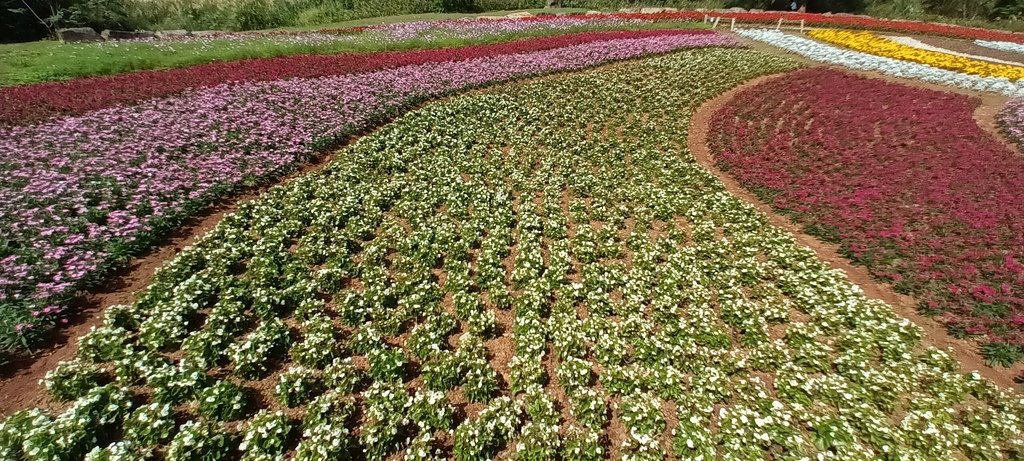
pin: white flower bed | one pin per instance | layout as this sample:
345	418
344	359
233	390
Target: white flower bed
1001	46
861	61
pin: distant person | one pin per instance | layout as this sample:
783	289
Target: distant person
793	6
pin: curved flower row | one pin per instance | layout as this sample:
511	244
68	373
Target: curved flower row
862	61
473	28
904	179
81	192
915	43
868	42
32	103
645	310
1002	46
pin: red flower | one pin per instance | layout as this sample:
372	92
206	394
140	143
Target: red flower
902	177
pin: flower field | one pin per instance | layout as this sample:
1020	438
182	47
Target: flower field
83	192
868	42
829	54
873	166
33	103
539	271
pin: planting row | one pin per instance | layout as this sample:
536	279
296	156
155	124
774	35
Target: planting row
83	192
821	52
1002	46
903	179
539	272
868	42
26	104
917	44
464	28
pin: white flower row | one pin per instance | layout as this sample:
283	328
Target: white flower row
862	61
1001	46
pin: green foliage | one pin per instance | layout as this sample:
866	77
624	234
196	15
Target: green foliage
199	441
224	401
98	14
1001	354
259	14
264	438
71	380
150	424
960	8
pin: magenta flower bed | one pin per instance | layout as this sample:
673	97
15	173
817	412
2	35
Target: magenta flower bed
903	178
463	28
82	192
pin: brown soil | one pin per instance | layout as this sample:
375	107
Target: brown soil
934	333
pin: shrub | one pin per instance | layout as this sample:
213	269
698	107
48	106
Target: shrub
199	441
265	436
150	424
298	385
72	379
224	401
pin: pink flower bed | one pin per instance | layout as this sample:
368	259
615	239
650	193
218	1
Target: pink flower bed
903	178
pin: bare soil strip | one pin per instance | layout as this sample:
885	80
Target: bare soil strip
935	334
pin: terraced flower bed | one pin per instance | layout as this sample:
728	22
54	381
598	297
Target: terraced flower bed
83	192
903	179
536	272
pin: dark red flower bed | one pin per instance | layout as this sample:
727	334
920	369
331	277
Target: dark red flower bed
35	102
903	178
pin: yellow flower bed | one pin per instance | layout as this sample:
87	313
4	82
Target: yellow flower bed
868	42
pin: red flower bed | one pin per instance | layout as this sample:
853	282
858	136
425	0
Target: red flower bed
35	102
903	178
849	22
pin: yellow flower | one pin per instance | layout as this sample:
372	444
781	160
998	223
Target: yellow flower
870	43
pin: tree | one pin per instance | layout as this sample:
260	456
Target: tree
966	9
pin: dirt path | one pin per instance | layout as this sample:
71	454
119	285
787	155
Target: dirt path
905	306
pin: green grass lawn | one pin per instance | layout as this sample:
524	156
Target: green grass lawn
23	63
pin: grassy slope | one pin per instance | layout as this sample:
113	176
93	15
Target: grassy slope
23	63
